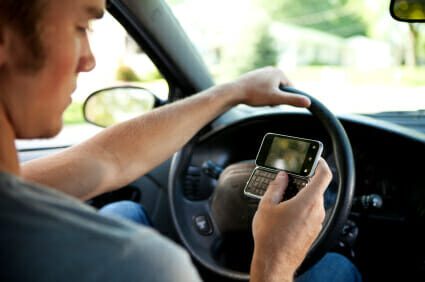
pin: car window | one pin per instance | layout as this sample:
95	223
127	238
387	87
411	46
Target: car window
119	61
349	53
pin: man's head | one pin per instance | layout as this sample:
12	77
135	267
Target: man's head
43	47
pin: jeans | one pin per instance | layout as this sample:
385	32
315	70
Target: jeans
332	267
127	210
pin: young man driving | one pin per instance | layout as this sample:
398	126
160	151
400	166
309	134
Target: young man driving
47	232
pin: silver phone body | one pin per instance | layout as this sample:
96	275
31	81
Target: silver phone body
298	180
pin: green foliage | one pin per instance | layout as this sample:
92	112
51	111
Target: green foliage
264	53
153	75
332	16
74	114
125	73
412	76
255	49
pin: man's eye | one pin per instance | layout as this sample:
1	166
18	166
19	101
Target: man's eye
84	29
81	29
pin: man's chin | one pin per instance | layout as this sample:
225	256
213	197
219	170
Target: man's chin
52	133
46	133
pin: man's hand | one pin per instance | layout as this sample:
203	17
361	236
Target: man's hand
261	87
284	231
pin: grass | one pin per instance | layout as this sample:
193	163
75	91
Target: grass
400	76
74	114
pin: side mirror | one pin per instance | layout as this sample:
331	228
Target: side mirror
408	10
110	106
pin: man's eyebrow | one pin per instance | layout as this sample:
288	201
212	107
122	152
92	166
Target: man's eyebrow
94	12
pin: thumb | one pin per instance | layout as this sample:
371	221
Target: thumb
276	189
319	183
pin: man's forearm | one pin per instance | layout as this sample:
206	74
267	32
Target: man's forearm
120	154
142	144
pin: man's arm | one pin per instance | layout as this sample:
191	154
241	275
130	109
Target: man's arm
124	152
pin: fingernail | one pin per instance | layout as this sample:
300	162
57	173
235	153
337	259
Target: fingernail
307	101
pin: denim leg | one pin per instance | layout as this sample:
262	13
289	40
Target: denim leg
332	267
128	210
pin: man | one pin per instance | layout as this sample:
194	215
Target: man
49	236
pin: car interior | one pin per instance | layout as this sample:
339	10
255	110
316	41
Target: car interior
375	205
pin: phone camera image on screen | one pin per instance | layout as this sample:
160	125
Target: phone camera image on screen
287	154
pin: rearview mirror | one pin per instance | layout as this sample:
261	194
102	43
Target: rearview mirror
110	106
408	10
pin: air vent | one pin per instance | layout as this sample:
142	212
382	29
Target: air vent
192	183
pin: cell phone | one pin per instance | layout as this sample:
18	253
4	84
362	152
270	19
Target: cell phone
297	156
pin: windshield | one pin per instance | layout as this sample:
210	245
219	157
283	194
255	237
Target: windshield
348	53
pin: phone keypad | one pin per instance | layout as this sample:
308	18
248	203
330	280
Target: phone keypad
260	180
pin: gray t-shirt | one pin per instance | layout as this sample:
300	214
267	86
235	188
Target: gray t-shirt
46	235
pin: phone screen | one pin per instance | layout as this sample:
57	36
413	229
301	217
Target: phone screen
292	154
287	154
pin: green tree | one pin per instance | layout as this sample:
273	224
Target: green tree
125	73
74	114
264	52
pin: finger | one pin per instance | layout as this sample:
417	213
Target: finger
322	176
289	98
283	79
319	182
292	99
276	189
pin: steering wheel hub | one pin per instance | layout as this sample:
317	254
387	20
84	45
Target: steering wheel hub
229	206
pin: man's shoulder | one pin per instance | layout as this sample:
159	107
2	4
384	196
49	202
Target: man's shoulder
14	188
49	235
55	212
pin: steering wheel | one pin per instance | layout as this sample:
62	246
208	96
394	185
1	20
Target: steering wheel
201	228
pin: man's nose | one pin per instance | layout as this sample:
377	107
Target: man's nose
87	60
